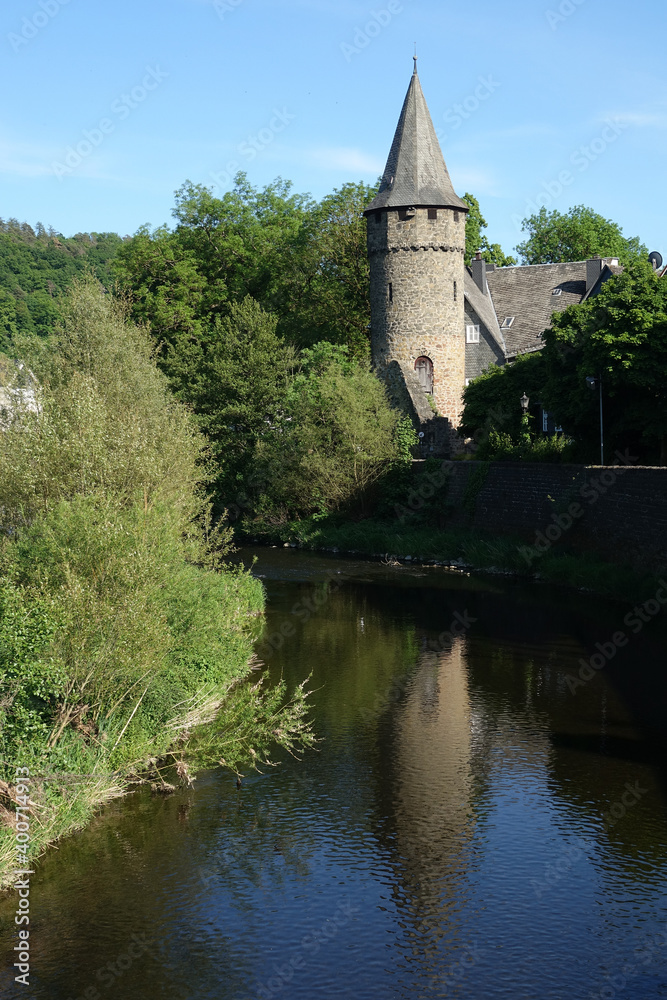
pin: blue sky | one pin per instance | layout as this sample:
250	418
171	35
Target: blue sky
557	102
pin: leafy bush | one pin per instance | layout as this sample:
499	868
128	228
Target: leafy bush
336	439
500	447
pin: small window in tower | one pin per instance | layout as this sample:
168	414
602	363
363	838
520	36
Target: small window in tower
455	291
432	214
390	292
472	334
456	216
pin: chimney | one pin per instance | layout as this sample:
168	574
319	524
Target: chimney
478	268
593	272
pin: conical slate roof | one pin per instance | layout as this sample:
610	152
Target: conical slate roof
416	174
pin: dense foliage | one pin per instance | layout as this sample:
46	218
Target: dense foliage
578	234
118	635
621	334
301	260
36	266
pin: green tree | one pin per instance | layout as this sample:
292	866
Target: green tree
337	437
491	401
336	303
622	335
235	379
36	267
475	240
579	234
301	260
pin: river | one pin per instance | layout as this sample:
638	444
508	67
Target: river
476	821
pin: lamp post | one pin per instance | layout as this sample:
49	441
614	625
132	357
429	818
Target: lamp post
593	381
525	432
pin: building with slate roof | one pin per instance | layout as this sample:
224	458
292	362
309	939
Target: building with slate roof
435	323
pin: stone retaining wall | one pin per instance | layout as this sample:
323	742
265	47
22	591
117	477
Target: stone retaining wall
619	511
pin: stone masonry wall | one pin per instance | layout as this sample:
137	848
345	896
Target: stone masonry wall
619	511
422	261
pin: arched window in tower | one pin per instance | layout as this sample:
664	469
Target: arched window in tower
424	369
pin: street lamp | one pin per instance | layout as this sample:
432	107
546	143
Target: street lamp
525	432
593	381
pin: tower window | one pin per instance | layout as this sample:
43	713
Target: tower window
456	216
390	292
432	214
472	334
455	291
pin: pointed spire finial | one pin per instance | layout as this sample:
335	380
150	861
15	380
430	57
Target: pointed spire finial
415	59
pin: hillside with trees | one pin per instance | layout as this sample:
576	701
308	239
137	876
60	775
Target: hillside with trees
37	266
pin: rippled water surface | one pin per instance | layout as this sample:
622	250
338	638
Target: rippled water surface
469	826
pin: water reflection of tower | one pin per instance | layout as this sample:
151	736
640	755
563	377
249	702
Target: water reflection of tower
432	777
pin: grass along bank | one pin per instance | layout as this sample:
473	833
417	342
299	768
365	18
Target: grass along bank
465	548
124	636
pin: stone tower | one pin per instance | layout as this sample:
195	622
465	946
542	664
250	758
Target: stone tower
416	242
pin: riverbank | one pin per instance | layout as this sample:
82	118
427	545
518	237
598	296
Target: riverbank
465	549
57	772
123	631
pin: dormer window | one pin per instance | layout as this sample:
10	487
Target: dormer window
557	291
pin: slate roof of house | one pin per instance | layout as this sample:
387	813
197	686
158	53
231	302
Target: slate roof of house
526	292
415	174
483	306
